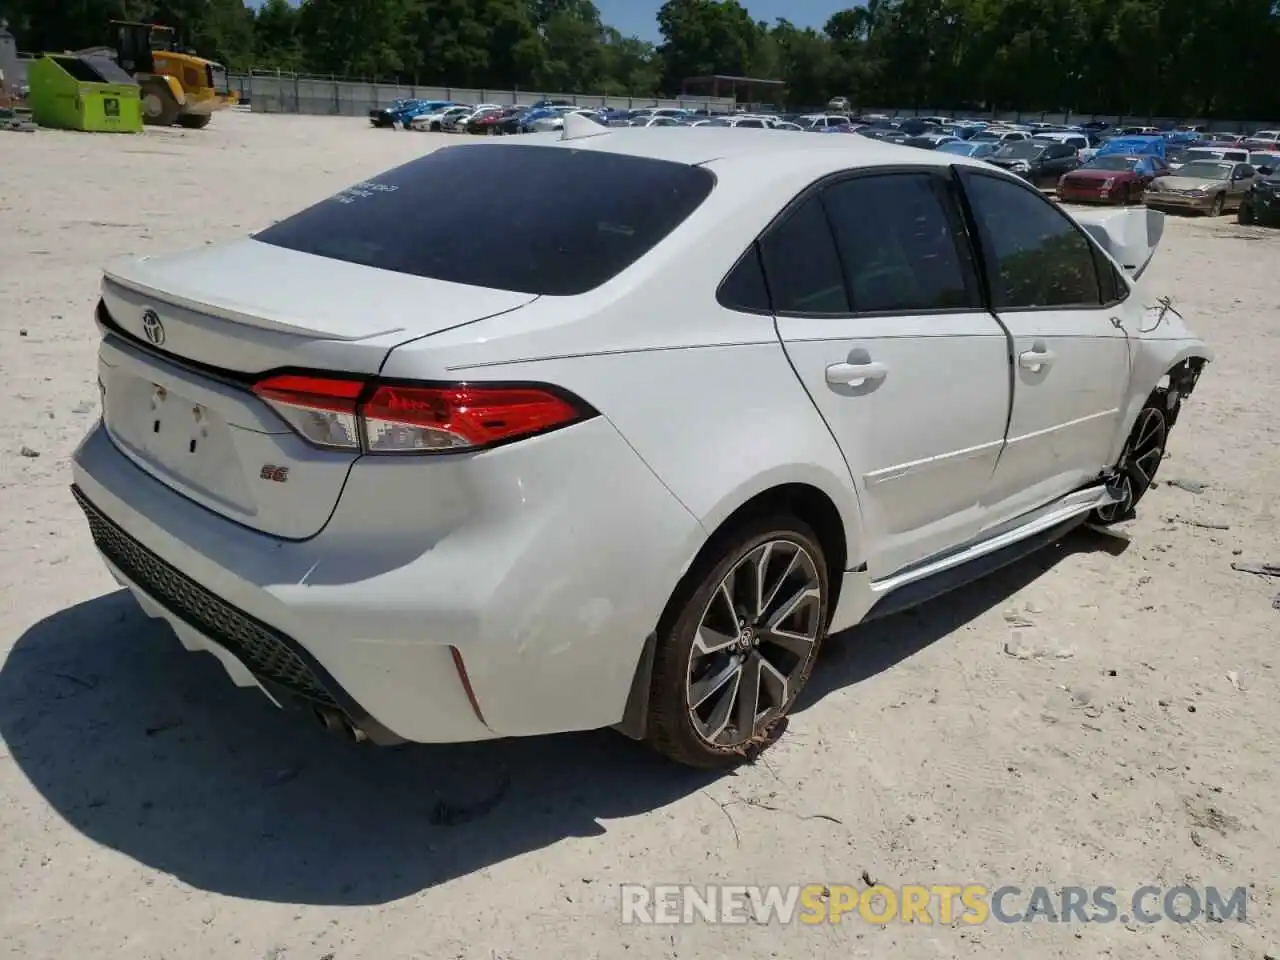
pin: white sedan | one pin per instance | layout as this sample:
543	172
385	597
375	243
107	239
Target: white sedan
550	124
434	122
608	461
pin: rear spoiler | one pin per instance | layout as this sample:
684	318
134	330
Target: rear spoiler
1130	234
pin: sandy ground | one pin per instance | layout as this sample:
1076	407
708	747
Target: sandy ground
148	809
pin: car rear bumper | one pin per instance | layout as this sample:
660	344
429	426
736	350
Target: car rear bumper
535	585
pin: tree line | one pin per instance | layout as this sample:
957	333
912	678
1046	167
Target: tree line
1208	58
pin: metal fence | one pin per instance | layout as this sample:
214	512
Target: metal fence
297	93
286	93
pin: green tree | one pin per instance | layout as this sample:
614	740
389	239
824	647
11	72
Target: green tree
705	37
276	42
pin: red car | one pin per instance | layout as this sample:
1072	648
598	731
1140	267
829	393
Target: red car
1114	178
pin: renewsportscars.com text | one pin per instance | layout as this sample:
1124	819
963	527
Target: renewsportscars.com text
935	903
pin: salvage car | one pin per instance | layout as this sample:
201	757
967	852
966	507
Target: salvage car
967	148
400	113
494	123
433	121
1234	154
428	478
1202	186
1261	202
1042	164
1114	178
459	122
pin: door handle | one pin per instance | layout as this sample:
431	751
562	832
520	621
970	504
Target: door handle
1035	358
852	374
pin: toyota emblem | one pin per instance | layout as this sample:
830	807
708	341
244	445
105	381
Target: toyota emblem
152	328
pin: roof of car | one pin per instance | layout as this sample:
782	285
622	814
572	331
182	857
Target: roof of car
698	145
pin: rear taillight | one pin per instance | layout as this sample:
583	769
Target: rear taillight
322	410
379	417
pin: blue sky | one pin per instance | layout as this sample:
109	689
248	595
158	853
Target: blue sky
638	17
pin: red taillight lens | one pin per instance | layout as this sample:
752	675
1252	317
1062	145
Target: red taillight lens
450	418
349	414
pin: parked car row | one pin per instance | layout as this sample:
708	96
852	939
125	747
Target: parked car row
1193	170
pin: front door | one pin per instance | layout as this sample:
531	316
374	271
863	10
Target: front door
1070	349
878	306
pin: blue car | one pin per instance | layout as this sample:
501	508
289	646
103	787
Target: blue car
526	119
400	113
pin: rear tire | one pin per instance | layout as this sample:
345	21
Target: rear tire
195	121
1126	196
159	109
1140	460
737	644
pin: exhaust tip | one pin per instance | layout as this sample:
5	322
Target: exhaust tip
337	723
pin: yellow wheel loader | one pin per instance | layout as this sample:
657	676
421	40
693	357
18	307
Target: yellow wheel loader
175	87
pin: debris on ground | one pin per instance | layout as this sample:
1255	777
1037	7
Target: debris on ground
1021	650
448	814
28	453
164	725
1190	486
1261	569
1197	523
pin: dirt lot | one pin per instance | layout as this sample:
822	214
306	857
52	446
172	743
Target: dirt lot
1089	717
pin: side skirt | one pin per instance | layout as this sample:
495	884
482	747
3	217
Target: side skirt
913	587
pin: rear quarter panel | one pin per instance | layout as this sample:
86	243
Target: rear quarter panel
705	395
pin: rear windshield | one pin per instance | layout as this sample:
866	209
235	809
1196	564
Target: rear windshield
542	220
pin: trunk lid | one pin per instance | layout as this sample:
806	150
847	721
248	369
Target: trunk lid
186	335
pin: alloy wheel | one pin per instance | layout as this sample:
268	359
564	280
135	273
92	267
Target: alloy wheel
754	643
1138	467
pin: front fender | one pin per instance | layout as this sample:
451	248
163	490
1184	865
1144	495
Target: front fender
1155	361
175	89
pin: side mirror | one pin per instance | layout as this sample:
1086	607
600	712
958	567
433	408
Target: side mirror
1265	171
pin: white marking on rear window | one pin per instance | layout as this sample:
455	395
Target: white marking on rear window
364	190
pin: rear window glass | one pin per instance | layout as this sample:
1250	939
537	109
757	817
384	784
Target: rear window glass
543	220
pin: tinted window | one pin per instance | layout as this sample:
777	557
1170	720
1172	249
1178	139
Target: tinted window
1036	256
544	220
744	288
897	241
801	265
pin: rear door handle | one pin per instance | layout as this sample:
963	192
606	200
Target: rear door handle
1037	357
853	374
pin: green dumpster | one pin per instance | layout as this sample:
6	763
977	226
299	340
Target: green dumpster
83	93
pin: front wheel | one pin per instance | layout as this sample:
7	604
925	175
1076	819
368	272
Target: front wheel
159	108
1141	458
737	647
1219	202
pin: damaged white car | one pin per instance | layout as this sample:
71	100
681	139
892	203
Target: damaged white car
627	458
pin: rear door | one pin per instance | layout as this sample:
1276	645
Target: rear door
878	306
1071	356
